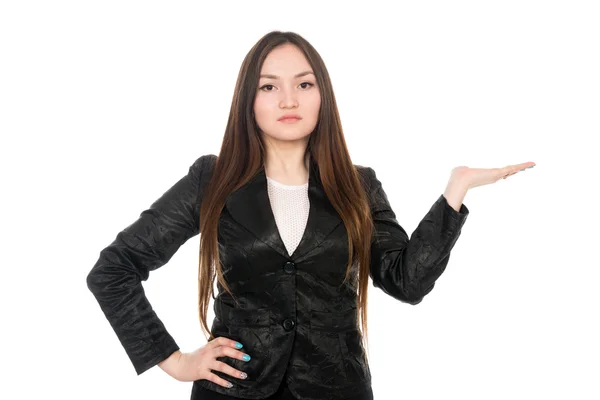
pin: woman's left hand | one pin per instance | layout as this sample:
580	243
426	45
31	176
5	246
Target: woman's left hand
473	177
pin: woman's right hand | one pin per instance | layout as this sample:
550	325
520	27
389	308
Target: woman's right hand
199	364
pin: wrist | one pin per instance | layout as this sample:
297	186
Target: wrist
170	364
455	193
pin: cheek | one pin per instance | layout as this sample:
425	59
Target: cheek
265	101
262	110
315	105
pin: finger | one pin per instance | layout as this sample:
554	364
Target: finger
506	171
214	342
228	369
527	164
225	351
218	380
513	169
223	341
522	166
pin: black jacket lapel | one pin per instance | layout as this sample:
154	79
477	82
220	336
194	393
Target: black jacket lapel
251	208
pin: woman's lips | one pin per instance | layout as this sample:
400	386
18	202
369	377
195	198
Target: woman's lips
289	120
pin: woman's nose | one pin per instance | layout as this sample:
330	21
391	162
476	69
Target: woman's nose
288	98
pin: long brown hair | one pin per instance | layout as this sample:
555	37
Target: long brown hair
241	157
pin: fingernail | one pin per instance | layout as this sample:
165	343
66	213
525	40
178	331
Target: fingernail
243	375
246	357
523	169
531	166
238	345
229	384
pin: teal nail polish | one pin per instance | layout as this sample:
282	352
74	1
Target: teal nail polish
246	357
523	169
531	166
238	345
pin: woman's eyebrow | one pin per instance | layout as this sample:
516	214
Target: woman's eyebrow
276	77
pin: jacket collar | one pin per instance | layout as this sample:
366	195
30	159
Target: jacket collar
251	208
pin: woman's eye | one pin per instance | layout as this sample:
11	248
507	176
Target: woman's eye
303	83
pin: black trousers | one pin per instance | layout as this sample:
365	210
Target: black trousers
283	393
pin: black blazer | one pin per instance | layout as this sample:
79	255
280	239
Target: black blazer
294	318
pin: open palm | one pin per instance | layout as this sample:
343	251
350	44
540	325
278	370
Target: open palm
474	177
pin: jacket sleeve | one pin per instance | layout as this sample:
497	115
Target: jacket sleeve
145	245
404	268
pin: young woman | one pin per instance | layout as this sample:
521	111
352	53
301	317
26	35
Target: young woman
297	230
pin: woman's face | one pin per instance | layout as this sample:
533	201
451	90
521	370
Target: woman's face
285	88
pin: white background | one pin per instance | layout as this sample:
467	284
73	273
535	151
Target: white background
105	105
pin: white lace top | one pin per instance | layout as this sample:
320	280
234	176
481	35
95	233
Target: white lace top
290	207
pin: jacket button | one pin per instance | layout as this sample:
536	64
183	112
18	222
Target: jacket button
288	324
289	267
